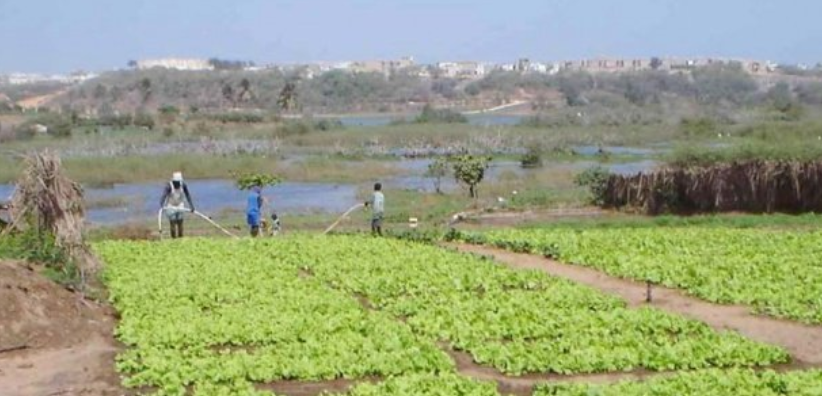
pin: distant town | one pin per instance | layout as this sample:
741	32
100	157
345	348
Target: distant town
446	69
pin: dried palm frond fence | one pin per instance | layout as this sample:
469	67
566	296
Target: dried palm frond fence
44	198
750	186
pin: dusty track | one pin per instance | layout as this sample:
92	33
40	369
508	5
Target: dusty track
803	342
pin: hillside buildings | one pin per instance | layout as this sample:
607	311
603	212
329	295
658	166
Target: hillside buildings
623	65
175	64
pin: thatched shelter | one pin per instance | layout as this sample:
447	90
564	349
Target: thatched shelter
750	186
45	198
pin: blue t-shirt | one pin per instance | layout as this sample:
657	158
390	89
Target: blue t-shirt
253	203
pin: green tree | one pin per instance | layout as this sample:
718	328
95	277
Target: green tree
228	93
656	63
245	93
437	169
533	156
470	170
288	96
145	90
100	92
168	114
430	115
144	120
573	86
723	83
595	179
246	181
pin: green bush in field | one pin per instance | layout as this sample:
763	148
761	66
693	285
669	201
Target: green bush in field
430	115
470	170
595	179
532	157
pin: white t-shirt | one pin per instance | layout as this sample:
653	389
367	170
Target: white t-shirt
378	203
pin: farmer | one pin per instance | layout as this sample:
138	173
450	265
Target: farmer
174	201
377	203
253	210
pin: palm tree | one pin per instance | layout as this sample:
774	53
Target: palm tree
288	96
228	93
145	89
245	91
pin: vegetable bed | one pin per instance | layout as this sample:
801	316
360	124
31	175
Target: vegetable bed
778	273
219	317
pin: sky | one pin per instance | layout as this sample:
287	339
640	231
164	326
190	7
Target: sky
53	36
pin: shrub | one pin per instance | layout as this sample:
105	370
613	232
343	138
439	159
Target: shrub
144	120
328	125
698	127
246	181
532	157
596	180
437	169
236	118
430	115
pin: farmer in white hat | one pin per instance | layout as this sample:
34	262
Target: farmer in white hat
174	201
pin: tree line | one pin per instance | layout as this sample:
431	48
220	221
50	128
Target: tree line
339	91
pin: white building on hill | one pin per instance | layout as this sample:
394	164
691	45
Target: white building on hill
464	69
176	64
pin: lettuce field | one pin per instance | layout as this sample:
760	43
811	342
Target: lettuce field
221	317
778	273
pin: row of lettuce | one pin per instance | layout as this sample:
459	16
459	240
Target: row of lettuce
223	317
704	383
776	272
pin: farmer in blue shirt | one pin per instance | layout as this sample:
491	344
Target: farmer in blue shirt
253	211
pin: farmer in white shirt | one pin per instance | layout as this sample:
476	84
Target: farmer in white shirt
173	202
377	203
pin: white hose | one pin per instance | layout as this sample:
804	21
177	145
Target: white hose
212	222
353	208
160	222
204	217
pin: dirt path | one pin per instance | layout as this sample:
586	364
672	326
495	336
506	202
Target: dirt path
803	342
52	341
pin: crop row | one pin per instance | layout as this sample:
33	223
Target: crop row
523	321
219	316
216	315
778	273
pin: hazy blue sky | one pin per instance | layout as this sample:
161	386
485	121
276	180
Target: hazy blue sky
64	35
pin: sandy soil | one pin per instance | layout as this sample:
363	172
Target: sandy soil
52	341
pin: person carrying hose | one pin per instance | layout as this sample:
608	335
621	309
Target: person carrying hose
173	203
377	204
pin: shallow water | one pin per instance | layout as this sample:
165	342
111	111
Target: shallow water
211	197
140	201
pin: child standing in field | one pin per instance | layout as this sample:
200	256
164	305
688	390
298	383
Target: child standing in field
253	210
377	203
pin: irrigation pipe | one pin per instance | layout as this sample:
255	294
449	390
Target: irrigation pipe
353	208
204	217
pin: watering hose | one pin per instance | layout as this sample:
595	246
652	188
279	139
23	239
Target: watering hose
204	217
353	208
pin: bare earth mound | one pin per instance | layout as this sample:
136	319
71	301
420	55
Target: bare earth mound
52	342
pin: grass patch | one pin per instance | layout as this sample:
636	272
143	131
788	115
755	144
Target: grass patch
107	171
790	150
